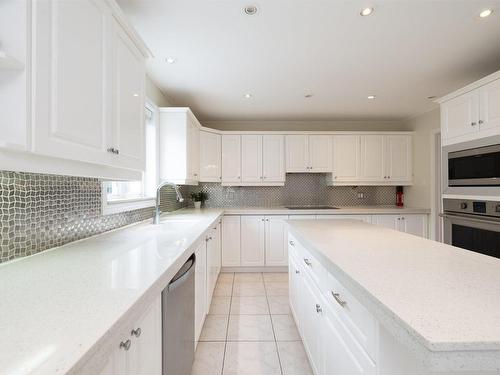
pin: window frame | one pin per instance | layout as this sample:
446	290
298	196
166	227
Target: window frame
122	205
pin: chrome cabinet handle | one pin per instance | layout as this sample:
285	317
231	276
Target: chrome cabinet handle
264	177
473	124
292	243
338	299
125	345
481	122
307	261
297	271
136	332
318	308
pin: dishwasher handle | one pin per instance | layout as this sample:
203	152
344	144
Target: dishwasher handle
183	274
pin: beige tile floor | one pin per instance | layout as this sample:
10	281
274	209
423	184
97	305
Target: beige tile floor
249	329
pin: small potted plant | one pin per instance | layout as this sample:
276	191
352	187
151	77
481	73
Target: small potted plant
199	198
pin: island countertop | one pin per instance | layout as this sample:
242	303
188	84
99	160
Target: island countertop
445	299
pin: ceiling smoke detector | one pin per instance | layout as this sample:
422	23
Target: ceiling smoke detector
251	10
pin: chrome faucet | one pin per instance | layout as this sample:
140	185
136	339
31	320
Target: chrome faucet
156	218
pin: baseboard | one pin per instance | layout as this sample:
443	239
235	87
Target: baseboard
255	269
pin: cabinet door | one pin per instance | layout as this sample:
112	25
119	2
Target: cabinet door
387	221
128	101
252	241
200	288
251	158
297	153
210	157
217	246
372	158
231	241
276	245
273	166
311	324
414	224
460	116
146	349
346	158
193	151
399	158
295	285
342	354
490	106
211	279
320	153
231	158
72	78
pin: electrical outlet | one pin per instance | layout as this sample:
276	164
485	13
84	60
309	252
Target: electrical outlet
361	195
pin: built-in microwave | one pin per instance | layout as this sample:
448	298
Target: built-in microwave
472	169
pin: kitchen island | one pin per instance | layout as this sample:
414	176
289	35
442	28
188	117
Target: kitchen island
371	300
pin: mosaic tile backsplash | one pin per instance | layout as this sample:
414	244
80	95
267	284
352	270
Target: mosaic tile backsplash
299	189
38	212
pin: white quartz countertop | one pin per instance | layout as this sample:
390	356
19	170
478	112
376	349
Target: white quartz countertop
341	210
446	298
57	306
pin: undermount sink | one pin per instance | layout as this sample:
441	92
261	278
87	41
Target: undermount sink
312	207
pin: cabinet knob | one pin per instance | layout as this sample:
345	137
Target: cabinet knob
339	300
307	261
196	174
117	151
264	177
292	243
297	271
239	177
136	332
125	345
318	308
473	124
481	122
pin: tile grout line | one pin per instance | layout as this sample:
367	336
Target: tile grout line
272	326
227	327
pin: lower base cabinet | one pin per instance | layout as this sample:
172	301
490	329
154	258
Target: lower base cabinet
412	224
200	290
140	351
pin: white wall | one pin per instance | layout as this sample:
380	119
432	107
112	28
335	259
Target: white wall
156	95
313	125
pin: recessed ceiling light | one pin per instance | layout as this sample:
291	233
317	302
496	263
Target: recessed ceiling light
171	60
486	13
136	95
250	10
366	11
248	95
371	97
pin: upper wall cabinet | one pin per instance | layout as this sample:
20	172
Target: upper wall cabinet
179	146
210	157
372	159
87	91
472	112
253	160
308	153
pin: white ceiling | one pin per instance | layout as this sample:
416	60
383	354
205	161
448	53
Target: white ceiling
404	52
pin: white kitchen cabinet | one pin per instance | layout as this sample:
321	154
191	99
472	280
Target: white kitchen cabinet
210	157
411	223
276	241
273	157
72	100
252	241
140	350
364	218
200	288
231	254
251	158
472	112
128	101
320	153
490	106
460	116
231	159
398	158
88	90
346	158
373	166
308	153
213	261
297	153
179	146
295	285
342	354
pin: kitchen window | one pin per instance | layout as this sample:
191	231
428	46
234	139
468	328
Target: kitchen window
120	196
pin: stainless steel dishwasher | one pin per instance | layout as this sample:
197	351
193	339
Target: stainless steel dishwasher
178	321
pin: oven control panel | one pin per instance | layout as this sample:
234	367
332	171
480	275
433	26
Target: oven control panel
485	208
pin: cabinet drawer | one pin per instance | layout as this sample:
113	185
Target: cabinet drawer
356	318
311	266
